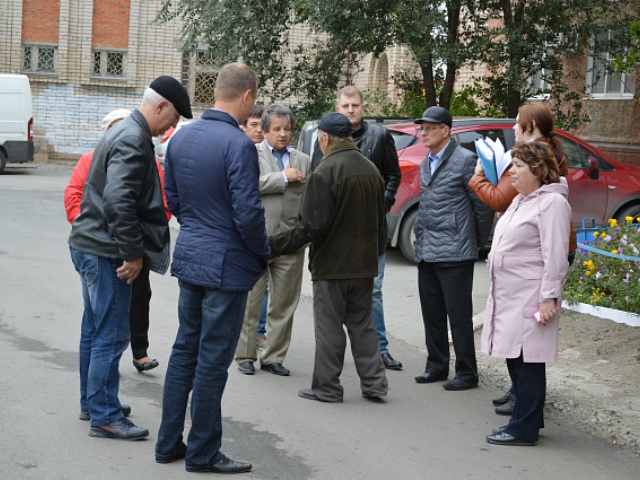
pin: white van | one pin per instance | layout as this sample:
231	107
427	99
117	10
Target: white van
16	120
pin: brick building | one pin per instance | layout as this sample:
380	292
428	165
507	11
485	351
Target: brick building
85	58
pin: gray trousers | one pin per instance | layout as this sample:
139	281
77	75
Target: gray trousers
338	304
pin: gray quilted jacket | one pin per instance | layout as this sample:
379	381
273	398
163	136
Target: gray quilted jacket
453	222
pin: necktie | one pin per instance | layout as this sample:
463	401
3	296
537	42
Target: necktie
278	155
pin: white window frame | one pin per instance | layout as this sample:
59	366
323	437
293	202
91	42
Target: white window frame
35	49
104	54
591	81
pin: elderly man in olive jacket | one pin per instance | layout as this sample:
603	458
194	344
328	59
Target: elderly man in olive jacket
341	214
452	224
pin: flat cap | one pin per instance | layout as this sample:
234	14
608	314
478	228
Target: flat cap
436	115
172	90
335	123
113	117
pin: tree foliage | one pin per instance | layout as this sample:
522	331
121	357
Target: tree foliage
517	40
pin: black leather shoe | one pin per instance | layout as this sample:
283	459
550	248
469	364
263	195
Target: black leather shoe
504	438
508	408
502	400
246	367
126	411
179	453
276	369
142	367
223	464
308	393
428	377
390	362
458	384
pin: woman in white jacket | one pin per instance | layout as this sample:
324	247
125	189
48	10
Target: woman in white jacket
528	265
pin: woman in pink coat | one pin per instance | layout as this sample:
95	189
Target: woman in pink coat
528	265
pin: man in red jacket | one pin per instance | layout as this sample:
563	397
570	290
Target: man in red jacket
141	287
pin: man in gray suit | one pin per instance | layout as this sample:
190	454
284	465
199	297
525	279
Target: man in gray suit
282	174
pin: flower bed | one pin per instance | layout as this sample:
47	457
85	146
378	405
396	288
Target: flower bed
611	277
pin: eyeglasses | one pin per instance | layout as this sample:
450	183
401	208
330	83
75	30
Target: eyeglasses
420	128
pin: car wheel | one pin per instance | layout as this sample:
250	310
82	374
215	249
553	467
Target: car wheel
630	211
3	161
407	240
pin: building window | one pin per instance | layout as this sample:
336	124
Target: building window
108	64
39	58
602	81
199	72
539	85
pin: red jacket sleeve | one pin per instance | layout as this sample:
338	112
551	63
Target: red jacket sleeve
164	195
497	197
73	192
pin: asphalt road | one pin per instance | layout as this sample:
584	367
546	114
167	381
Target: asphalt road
420	431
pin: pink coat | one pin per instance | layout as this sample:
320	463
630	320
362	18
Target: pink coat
528	264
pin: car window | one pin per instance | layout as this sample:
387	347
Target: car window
403	140
575	158
467	139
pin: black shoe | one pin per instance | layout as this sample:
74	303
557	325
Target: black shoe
428	377
390	362
142	367
499	430
458	384
179	453
126	411
375	397
504	438
309	394
276	369
508	408
223	464
502	400
247	367
122	429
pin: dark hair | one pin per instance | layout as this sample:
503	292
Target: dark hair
277	111
256	112
540	159
233	80
538	114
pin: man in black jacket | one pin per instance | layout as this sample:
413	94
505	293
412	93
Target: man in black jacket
122	222
375	143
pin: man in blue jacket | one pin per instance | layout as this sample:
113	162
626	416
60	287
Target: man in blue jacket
211	183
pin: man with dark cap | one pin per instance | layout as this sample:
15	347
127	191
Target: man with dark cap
212	189
452	224
376	143
341	215
122	225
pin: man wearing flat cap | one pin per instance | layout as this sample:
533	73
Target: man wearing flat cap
122	224
452	224
342	216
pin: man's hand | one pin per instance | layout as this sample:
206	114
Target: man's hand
293	174
129	271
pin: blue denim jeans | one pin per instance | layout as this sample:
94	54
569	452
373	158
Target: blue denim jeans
377	308
205	345
104	335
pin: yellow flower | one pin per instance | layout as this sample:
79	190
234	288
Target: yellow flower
628	219
595	234
613	222
580	295
591	265
614	251
587	273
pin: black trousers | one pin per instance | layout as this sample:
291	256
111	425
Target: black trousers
446	291
139	313
530	386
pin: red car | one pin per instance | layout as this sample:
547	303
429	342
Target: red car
599	186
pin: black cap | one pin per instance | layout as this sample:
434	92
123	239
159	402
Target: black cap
436	115
335	123
172	90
